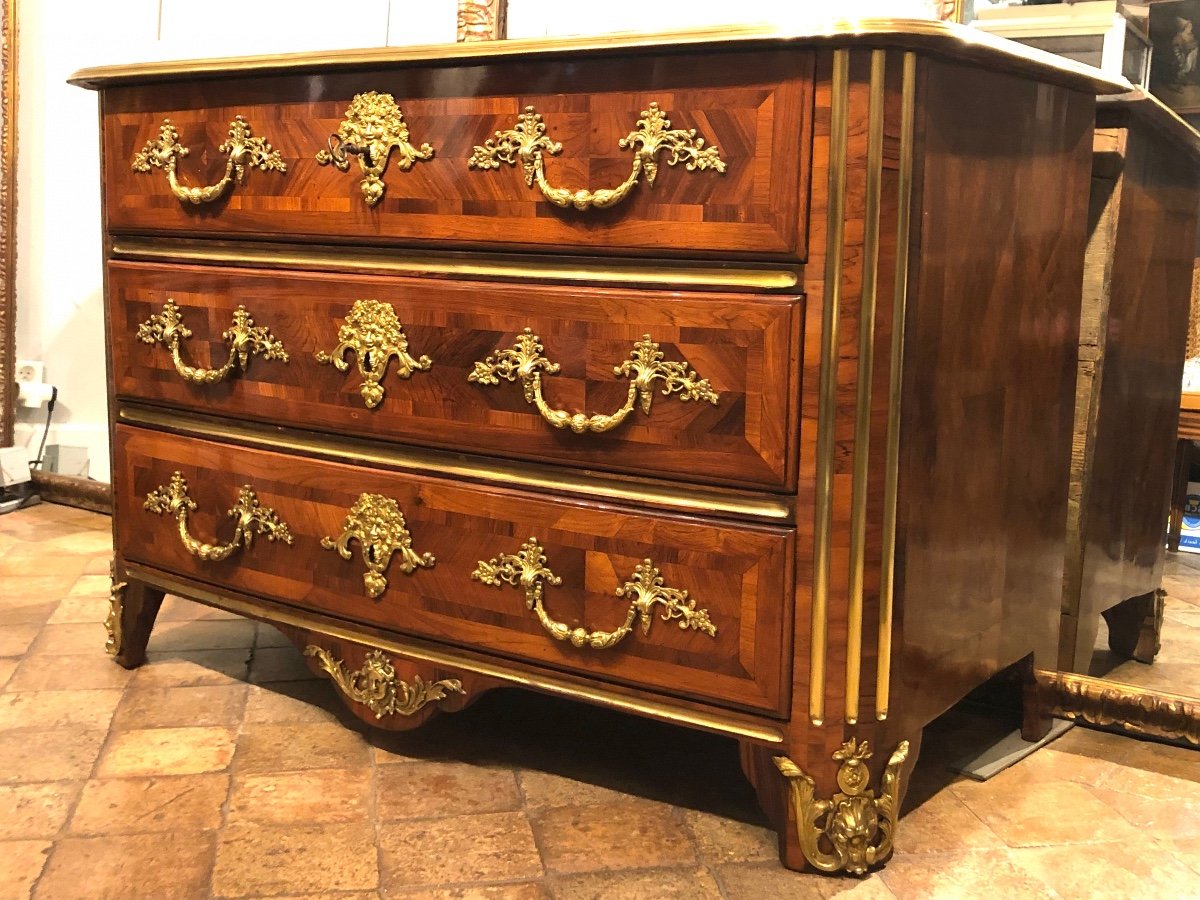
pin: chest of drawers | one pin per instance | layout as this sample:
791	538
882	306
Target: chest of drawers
722	379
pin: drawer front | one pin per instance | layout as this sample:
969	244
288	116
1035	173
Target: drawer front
418	186
740	351
727	641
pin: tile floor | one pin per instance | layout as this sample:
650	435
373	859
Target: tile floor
223	769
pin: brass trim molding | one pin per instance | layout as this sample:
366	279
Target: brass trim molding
827	387
474	266
775	511
876	98
646	365
527	569
243	151
112	621
1127	707
528	144
729	724
940	38
855	829
8	220
891	478
376	686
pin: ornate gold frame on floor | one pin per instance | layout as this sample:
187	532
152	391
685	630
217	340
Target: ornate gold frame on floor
1120	707
8	217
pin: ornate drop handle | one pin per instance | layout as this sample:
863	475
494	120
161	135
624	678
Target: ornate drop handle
528	144
172	499
245	339
527	569
242	149
645	364
375	335
378	525
374	126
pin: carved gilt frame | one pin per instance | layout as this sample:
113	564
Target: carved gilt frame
8	218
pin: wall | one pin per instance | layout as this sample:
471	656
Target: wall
58	275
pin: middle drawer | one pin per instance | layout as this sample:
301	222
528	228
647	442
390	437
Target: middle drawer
697	386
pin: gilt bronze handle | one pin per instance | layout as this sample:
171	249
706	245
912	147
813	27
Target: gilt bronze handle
376	336
644	366
527	570
527	143
374	126
172	499
242	150
378	525
244	338
377	687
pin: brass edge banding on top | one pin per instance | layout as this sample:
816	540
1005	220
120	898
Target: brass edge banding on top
891	469
432	462
827	388
862	411
944	39
399	262
540	681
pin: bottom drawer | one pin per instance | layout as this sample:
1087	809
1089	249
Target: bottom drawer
681	605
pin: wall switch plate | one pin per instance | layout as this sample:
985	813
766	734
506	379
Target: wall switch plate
29	370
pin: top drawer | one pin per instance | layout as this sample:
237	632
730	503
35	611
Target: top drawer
738	185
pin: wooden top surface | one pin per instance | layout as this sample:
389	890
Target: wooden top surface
939	38
1145	106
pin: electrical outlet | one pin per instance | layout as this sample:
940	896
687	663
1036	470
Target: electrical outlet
29	370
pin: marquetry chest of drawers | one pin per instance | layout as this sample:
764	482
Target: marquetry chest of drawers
722	379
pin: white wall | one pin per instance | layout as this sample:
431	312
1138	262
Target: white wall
58	275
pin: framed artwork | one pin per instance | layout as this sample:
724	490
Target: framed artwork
1175	67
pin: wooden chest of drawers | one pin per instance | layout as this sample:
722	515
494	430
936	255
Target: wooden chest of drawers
766	436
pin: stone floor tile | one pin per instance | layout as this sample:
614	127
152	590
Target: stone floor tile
178	707
15	639
309	797
1175	764
65	754
1124	870
270	636
1153	816
284	748
167	751
1034	815
546	789
770	881
529	890
435	852
80	610
661	884
255	860
140	805
77	637
35	810
282	702
7	667
58	709
28	611
627	834
24	590
202	634
86	543
94	671
438	788
22	564
91	586
279	664
723	840
98	565
23	863
941	824
187	668
129	867
966	874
